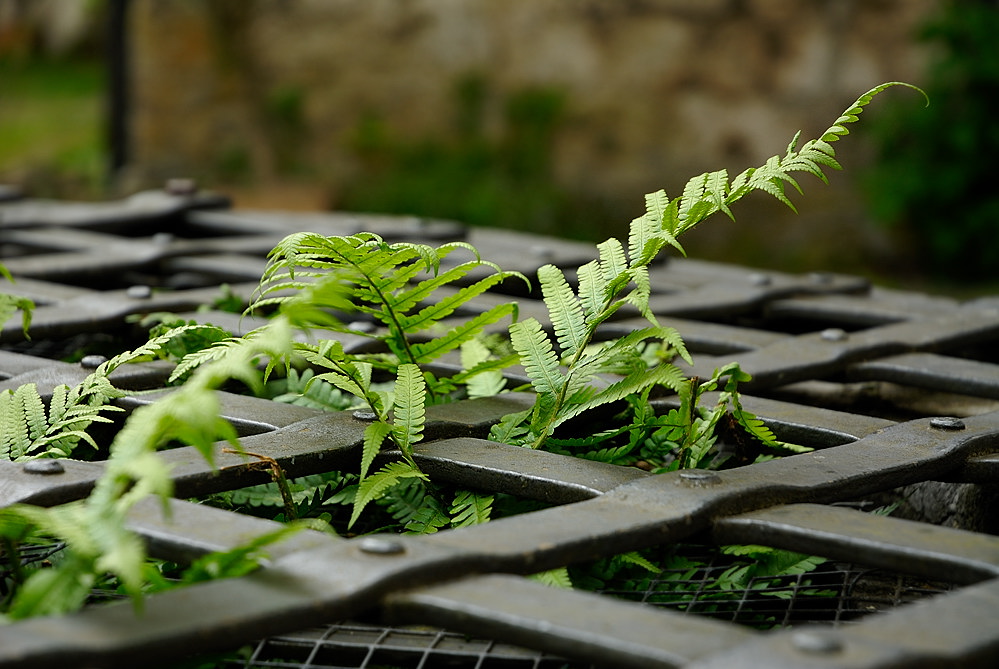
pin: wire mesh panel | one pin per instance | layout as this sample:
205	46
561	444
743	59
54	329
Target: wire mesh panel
891	389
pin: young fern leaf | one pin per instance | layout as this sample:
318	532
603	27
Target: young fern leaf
470	508
459	334
429	518
410	413
375	485
537	355
564	310
592	288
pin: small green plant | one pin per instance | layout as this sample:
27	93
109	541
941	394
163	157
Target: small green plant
11	304
94	530
415	298
564	366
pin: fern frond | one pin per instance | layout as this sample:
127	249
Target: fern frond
433	313
511	429
34	410
613	261
664	375
470	508
410	412
374	486
11	304
374	436
459	334
429	518
553	578
405	500
564	310
639	296
592	288
647	234
537	356
215	352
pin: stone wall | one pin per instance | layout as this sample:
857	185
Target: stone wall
654	91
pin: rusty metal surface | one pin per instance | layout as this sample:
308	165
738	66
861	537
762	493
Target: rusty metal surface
89	268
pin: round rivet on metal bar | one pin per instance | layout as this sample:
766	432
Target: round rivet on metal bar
821	278
947	423
759	279
163	238
361	414
699	477
139	292
834	334
181	186
92	361
809	641
381	546
44	467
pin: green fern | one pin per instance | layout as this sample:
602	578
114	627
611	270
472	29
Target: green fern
563	368
712	192
470	508
11	304
95	530
300	389
386	282
375	485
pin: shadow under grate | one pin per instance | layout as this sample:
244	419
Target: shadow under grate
833	593
362	646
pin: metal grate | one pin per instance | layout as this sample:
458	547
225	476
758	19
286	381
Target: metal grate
892	388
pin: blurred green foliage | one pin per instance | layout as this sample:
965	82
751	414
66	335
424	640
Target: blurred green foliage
934	175
51	138
502	179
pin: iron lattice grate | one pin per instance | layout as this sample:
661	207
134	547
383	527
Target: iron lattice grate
892	388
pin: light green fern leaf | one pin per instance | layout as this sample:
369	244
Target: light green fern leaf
431	314
553	578
537	356
374	486
462	332
592	288
564	309
429	518
374	436
470	508
664	375
613	261
410	409
405	500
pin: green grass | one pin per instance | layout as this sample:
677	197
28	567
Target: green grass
51	126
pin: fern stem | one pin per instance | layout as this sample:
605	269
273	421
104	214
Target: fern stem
587	339
279	478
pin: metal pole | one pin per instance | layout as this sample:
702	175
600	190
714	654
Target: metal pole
118	99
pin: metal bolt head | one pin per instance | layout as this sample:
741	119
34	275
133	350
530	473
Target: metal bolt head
92	361
760	279
821	278
139	292
947	423
43	467
699	477
376	545
181	186
362	414
366	327
834	334
816	642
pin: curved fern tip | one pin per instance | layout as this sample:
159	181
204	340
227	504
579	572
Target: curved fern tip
888	84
